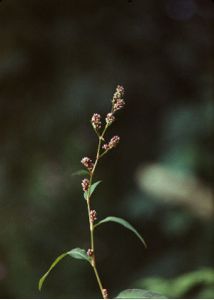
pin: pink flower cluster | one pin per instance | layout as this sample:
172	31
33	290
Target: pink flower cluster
117	104
110	118
87	162
112	144
96	121
117	100
85	184
93	215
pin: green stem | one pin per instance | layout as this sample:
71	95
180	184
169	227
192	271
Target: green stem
106	151
99	281
93	263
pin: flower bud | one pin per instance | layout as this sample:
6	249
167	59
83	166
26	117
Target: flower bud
90	252
87	162
120	89
105	147
118	104
93	215
110	118
118	93
96	121
85	184
105	293
114	141
112	144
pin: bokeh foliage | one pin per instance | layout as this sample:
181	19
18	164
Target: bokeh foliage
60	62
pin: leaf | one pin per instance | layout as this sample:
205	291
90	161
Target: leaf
76	253
139	294
42	279
79	254
91	190
80	173
180	286
93	186
123	223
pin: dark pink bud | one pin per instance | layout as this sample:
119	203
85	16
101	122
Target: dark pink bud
105	147
110	118
118	104
87	162
93	215
118	93
105	293
85	184
120	89
96	121
90	252
114	141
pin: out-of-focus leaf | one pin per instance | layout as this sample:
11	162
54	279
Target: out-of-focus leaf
123	223
80	173
180	286
139	294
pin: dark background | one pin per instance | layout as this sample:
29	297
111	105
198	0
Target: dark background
60	62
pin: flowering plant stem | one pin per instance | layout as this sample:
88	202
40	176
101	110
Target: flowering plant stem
88	188
91	224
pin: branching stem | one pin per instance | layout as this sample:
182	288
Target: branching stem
93	262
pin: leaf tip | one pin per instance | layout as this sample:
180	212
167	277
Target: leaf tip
145	244
41	281
40	284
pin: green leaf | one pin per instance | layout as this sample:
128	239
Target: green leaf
80	173
93	186
139	294
79	254
180	286
91	190
42	279
123	223
76	253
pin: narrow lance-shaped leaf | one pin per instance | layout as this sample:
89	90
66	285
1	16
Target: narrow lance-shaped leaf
42	279
123	223
79	253
80	173
91	190
76	253
139	294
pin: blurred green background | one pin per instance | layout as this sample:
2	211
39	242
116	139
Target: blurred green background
60	62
